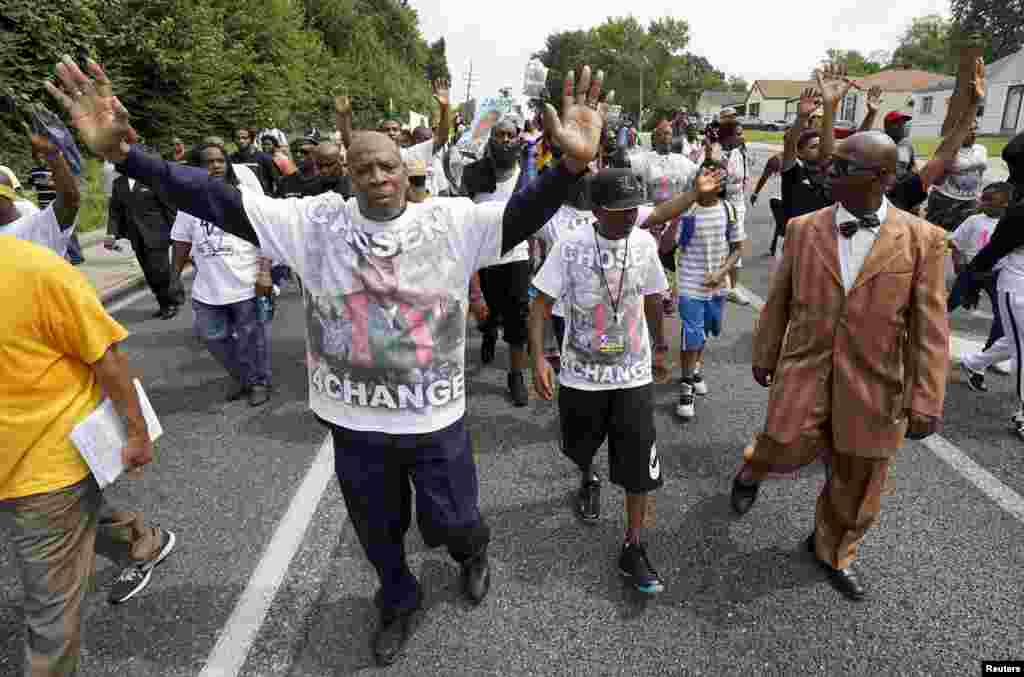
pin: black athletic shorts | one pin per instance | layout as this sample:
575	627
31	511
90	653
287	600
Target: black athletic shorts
626	418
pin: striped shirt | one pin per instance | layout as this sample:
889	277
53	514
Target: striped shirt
707	249
41	180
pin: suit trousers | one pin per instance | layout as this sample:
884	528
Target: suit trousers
506	290
850	501
55	537
375	470
156	267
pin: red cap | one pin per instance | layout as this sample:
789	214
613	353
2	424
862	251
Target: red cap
897	116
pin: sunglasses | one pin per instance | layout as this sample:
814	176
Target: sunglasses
841	167
418	181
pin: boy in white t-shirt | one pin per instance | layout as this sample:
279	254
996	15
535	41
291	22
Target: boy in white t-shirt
224	299
610	281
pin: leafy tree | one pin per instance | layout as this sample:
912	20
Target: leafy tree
999	22
855	62
926	45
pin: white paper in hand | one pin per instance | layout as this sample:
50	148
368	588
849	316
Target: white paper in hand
101	437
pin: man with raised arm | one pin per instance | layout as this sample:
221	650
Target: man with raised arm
386	285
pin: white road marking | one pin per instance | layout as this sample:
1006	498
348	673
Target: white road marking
232	648
1003	496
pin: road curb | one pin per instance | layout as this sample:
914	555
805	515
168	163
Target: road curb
133	284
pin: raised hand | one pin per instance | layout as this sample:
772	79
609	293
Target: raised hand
833	83
978	82
441	91
98	115
809	102
343	106
578	131
874	100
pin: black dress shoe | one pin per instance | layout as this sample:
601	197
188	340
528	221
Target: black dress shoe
159	313
169	312
258	395
392	635
488	347
476	577
845	581
236	392
743	496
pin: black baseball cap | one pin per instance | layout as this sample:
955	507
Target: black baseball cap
616	190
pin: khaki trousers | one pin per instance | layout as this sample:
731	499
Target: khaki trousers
850	501
55	537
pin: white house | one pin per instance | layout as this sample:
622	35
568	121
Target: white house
767	98
1001	113
897	85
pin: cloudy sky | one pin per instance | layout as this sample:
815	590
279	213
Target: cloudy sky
765	39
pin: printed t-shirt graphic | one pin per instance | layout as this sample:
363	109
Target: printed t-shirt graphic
385	303
606	343
227	265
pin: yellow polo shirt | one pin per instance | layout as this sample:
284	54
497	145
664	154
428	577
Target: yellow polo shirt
52	327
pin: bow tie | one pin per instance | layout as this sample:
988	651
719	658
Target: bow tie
849	228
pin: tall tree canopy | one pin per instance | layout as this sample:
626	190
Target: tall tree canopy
196	67
855	62
647	66
926	45
999	22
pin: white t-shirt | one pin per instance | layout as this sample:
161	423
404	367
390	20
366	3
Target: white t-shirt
42	228
973	234
226	266
247	178
663	176
964	178
386	303
424	152
502	192
707	249
25	208
606	345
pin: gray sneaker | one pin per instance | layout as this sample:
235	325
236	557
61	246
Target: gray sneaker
134	579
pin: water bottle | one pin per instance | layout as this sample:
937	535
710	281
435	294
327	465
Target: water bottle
265	308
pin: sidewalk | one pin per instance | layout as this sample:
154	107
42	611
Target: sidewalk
113	273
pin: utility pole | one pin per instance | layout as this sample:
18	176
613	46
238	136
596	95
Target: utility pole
470	81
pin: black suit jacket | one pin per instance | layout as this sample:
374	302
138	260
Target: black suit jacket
142	211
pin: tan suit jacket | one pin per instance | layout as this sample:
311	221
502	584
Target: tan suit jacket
866	357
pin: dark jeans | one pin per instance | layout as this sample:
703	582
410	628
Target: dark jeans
375	470
156	267
779	214
236	338
964	289
74	253
506	290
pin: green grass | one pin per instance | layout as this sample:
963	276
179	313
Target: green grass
925	145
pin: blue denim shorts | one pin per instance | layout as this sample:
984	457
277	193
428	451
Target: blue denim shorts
700	318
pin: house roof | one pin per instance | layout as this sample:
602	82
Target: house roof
717	98
992	72
781	89
901	80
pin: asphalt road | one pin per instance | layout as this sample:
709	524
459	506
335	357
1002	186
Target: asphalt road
743	597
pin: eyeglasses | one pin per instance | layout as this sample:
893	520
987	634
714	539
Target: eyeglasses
841	167
418	181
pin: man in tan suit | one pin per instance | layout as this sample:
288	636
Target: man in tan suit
854	342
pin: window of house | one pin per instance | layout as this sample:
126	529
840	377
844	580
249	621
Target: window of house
926	105
848	111
1011	110
755	110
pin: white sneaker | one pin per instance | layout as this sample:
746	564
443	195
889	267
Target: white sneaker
1003	367
737	296
685	409
700	386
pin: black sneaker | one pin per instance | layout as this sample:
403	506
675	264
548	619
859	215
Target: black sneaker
517	387
975	379
637	569
588	499
134	579
393	634
685	409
